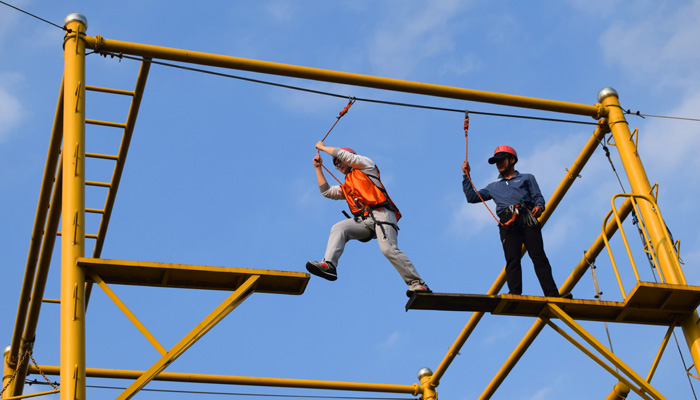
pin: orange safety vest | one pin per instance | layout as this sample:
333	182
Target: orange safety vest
363	195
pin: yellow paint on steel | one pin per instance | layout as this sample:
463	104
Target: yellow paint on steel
134	108
414	389
25	316
592	341
109	90
73	215
120	304
26	396
100	184
106	123
619	392
612	371
662	348
568	285
42	267
102	156
573	173
228	305
664	249
194	276
99	43
428	388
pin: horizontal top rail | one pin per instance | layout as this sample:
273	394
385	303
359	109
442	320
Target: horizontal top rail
99	44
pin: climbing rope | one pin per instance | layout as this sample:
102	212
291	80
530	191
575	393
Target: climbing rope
342	112
466	160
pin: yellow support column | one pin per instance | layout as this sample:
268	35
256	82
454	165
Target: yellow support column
426	385
73	215
619	392
666	253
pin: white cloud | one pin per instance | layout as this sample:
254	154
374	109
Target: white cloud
542	394
281	11
471	219
668	145
664	43
9	17
391	342
412	35
11	112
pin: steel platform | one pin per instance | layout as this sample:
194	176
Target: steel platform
143	273
648	303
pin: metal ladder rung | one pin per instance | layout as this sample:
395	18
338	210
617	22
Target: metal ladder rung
108	90
94	211
106	123
102	184
103	156
87	235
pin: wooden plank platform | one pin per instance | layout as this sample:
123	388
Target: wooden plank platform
192	276
648	303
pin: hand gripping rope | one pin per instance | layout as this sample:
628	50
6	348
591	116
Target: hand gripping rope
466	160
344	111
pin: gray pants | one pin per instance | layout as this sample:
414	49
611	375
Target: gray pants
362	229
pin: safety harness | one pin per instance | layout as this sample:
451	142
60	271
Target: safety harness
365	193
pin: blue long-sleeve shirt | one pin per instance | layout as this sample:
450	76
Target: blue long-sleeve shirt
521	188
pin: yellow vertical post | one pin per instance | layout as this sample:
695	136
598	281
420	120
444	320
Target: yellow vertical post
73	213
8	372
619	392
426	384
666	253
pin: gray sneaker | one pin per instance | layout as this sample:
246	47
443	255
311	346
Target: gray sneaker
323	269
417	287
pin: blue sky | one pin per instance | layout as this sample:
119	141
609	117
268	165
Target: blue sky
220	173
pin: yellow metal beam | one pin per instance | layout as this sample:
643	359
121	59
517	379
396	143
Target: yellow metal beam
26	396
538	325
193	276
25	315
571	323
663	248
99	43
235	299
662	348
73	213
129	314
573	173
619	392
613	371
414	389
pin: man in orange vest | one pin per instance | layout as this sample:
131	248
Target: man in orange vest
374	216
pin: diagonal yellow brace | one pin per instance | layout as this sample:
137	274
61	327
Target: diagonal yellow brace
565	318
228	305
595	358
662	348
128	314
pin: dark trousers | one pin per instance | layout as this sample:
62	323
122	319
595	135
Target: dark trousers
512	238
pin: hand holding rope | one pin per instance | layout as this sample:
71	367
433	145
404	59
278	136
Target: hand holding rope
466	169
342	112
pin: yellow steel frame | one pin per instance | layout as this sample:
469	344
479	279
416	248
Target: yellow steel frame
68	196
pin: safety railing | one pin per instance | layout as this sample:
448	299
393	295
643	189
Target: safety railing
648	245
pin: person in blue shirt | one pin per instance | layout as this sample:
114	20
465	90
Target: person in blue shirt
519	202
